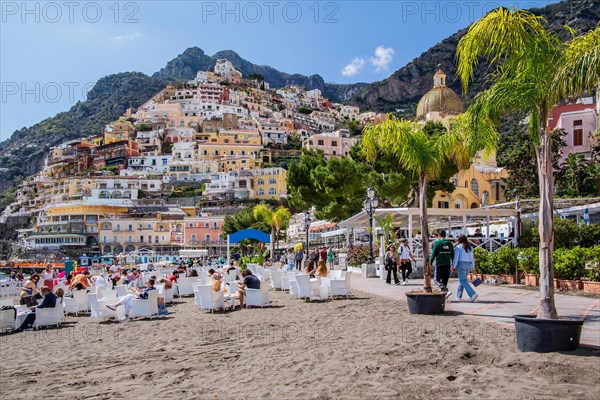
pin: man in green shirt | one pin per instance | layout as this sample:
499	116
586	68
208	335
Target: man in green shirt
442	253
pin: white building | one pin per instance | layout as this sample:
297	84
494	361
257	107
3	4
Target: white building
224	68
349	112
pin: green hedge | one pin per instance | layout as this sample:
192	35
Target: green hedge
575	263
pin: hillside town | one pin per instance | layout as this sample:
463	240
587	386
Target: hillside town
163	177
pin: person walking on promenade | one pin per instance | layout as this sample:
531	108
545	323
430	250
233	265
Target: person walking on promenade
391	265
405	255
464	262
443	254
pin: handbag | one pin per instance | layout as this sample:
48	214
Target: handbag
477	282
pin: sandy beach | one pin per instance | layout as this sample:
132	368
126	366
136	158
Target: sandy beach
366	347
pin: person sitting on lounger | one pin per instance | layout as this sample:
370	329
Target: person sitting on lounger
250	281
48	301
127	301
216	284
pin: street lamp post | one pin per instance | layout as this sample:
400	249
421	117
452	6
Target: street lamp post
369	205
306	228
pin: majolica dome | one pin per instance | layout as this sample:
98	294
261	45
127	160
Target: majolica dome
441	99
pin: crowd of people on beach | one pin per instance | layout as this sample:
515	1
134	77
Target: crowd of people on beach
294	259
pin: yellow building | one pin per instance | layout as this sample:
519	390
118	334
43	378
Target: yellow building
233	143
118	131
238	163
270	183
481	183
120	235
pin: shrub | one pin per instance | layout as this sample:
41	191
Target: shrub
589	235
529	260
481	260
592	266
358	255
505	259
569	264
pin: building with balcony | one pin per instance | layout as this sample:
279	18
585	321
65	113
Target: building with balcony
333	144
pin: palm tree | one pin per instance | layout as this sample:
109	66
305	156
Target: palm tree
425	149
277	220
533	70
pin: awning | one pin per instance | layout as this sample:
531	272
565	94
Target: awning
437	217
337	232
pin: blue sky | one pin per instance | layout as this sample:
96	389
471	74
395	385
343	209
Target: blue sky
51	53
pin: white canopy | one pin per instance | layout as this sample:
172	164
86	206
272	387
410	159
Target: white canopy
438	217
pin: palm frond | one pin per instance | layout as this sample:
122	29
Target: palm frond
579	68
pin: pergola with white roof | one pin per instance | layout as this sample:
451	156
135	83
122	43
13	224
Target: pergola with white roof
454	221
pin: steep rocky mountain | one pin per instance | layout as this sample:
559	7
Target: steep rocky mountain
185	66
24	152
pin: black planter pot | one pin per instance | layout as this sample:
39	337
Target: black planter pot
547	335
426	303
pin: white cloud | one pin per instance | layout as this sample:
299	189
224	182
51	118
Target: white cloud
126	38
354	67
383	58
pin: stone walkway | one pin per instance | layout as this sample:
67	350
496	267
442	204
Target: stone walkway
497	304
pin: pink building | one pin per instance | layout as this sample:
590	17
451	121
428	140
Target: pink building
202	231
578	121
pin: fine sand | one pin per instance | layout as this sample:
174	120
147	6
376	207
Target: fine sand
365	347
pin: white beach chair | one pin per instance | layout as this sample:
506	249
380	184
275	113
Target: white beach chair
145	307
308	289
99	310
206	299
341	287
335	274
7	320
184	286
121	290
49	316
276	279
258	297
76	304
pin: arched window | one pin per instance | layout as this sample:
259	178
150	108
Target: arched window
104	194
118	249
116	195
466	184
475	187
107	249
260	182
272	191
129	248
260	192
272	181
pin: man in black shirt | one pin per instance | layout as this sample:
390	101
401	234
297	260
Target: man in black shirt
250	282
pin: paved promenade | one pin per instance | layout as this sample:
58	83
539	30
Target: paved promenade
497	304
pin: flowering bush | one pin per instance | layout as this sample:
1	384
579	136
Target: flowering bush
358	255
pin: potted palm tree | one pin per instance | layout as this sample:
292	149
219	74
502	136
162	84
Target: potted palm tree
426	149
532	69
